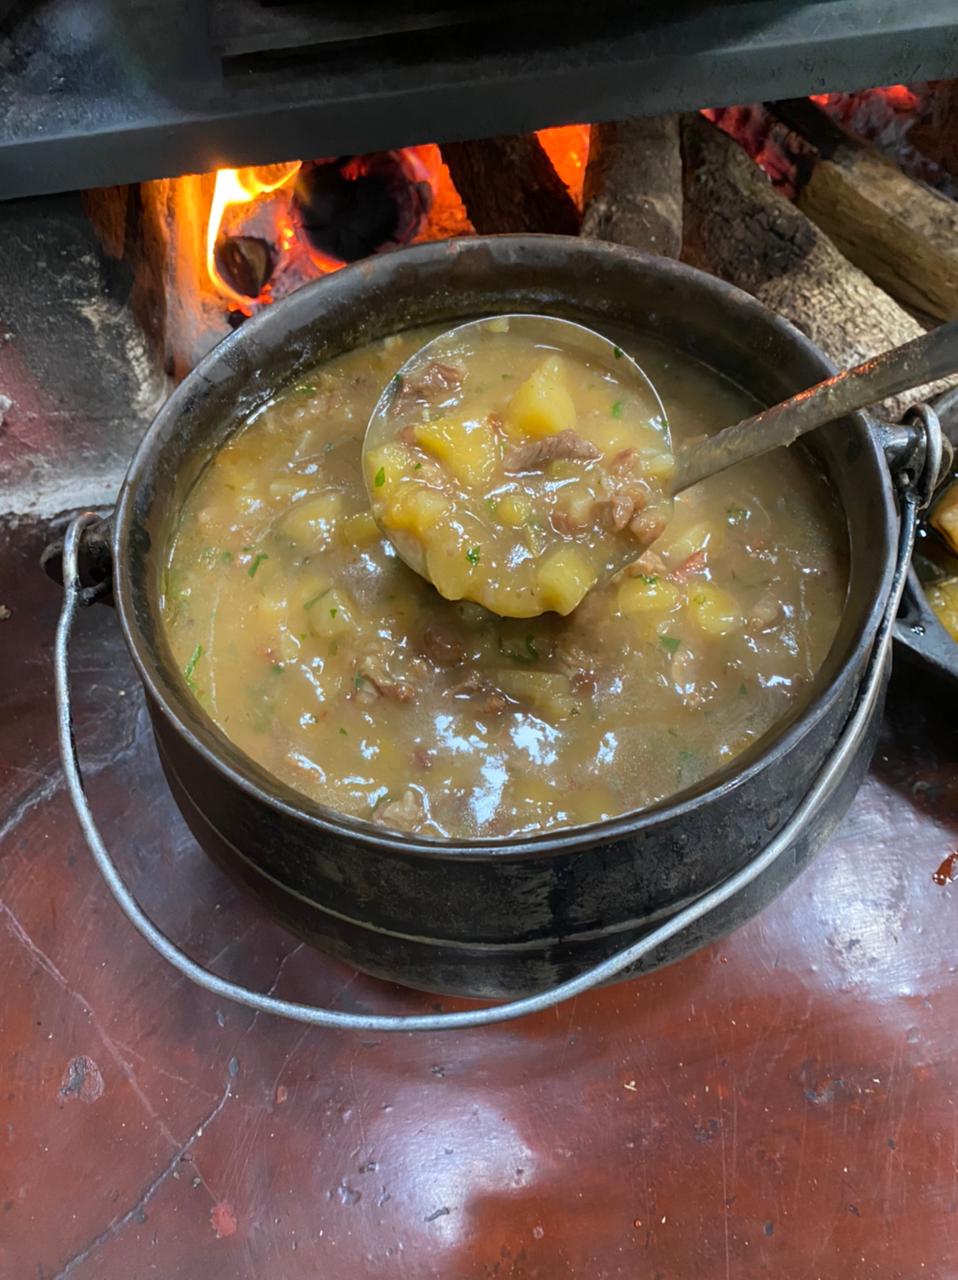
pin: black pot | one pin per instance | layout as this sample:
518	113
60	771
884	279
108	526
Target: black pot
491	918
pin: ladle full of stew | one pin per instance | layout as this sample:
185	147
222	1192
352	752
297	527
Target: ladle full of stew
518	461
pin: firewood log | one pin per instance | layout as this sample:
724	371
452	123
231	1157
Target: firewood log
633	185
900	232
737	226
509	184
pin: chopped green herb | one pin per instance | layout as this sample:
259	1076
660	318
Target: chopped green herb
506	377
191	665
358	682
257	561
736	514
226	556
669	643
417	467
301	637
648	578
397	379
473	555
306	389
277	668
687	757
343	732
333	611
617	352
617	409
743	690
380	479
247	549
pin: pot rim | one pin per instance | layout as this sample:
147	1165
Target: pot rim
359	831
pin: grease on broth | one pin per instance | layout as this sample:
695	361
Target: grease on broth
346	675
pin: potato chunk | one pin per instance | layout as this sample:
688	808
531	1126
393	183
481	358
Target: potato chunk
417	510
314	519
944	516
548	692
714	611
542	406
466	448
649	594
331	614
564	577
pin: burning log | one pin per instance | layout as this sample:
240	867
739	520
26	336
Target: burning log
509	184
246	263
901	233
936	134
737	226
633	185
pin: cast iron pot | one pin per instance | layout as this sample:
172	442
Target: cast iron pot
505	917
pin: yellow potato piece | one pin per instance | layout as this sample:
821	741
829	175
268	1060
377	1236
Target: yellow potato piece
513	510
608	435
713	610
466	448
331	615
564	577
546	691
943	598
359	530
314	518
542	406
416	509
448	570
944	516
648	595
385	468
683	540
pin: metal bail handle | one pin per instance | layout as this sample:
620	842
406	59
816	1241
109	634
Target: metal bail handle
76	596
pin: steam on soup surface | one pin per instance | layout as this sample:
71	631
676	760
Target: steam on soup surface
345	674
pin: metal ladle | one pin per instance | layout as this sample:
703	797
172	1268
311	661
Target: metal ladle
925	359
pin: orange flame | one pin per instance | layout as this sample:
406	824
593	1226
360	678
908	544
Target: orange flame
238	187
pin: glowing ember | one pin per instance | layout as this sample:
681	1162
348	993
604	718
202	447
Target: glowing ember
241	187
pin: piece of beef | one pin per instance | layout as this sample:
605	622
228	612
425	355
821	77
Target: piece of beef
536	453
436	383
442	646
375	680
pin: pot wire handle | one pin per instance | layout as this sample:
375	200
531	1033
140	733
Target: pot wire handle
76	596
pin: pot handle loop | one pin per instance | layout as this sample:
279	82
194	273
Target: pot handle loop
77	596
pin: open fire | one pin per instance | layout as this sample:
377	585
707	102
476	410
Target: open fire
271	228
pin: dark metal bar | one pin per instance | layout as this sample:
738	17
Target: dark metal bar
109	93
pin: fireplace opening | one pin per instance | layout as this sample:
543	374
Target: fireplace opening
838	212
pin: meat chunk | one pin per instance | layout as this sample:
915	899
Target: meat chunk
647	526
647	565
375	680
766	614
536	453
407	812
695	564
442	646
490	700
436	383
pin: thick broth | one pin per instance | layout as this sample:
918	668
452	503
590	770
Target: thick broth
327	660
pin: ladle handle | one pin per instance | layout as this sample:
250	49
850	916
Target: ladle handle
934	355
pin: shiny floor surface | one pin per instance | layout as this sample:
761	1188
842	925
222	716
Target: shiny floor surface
784	1103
